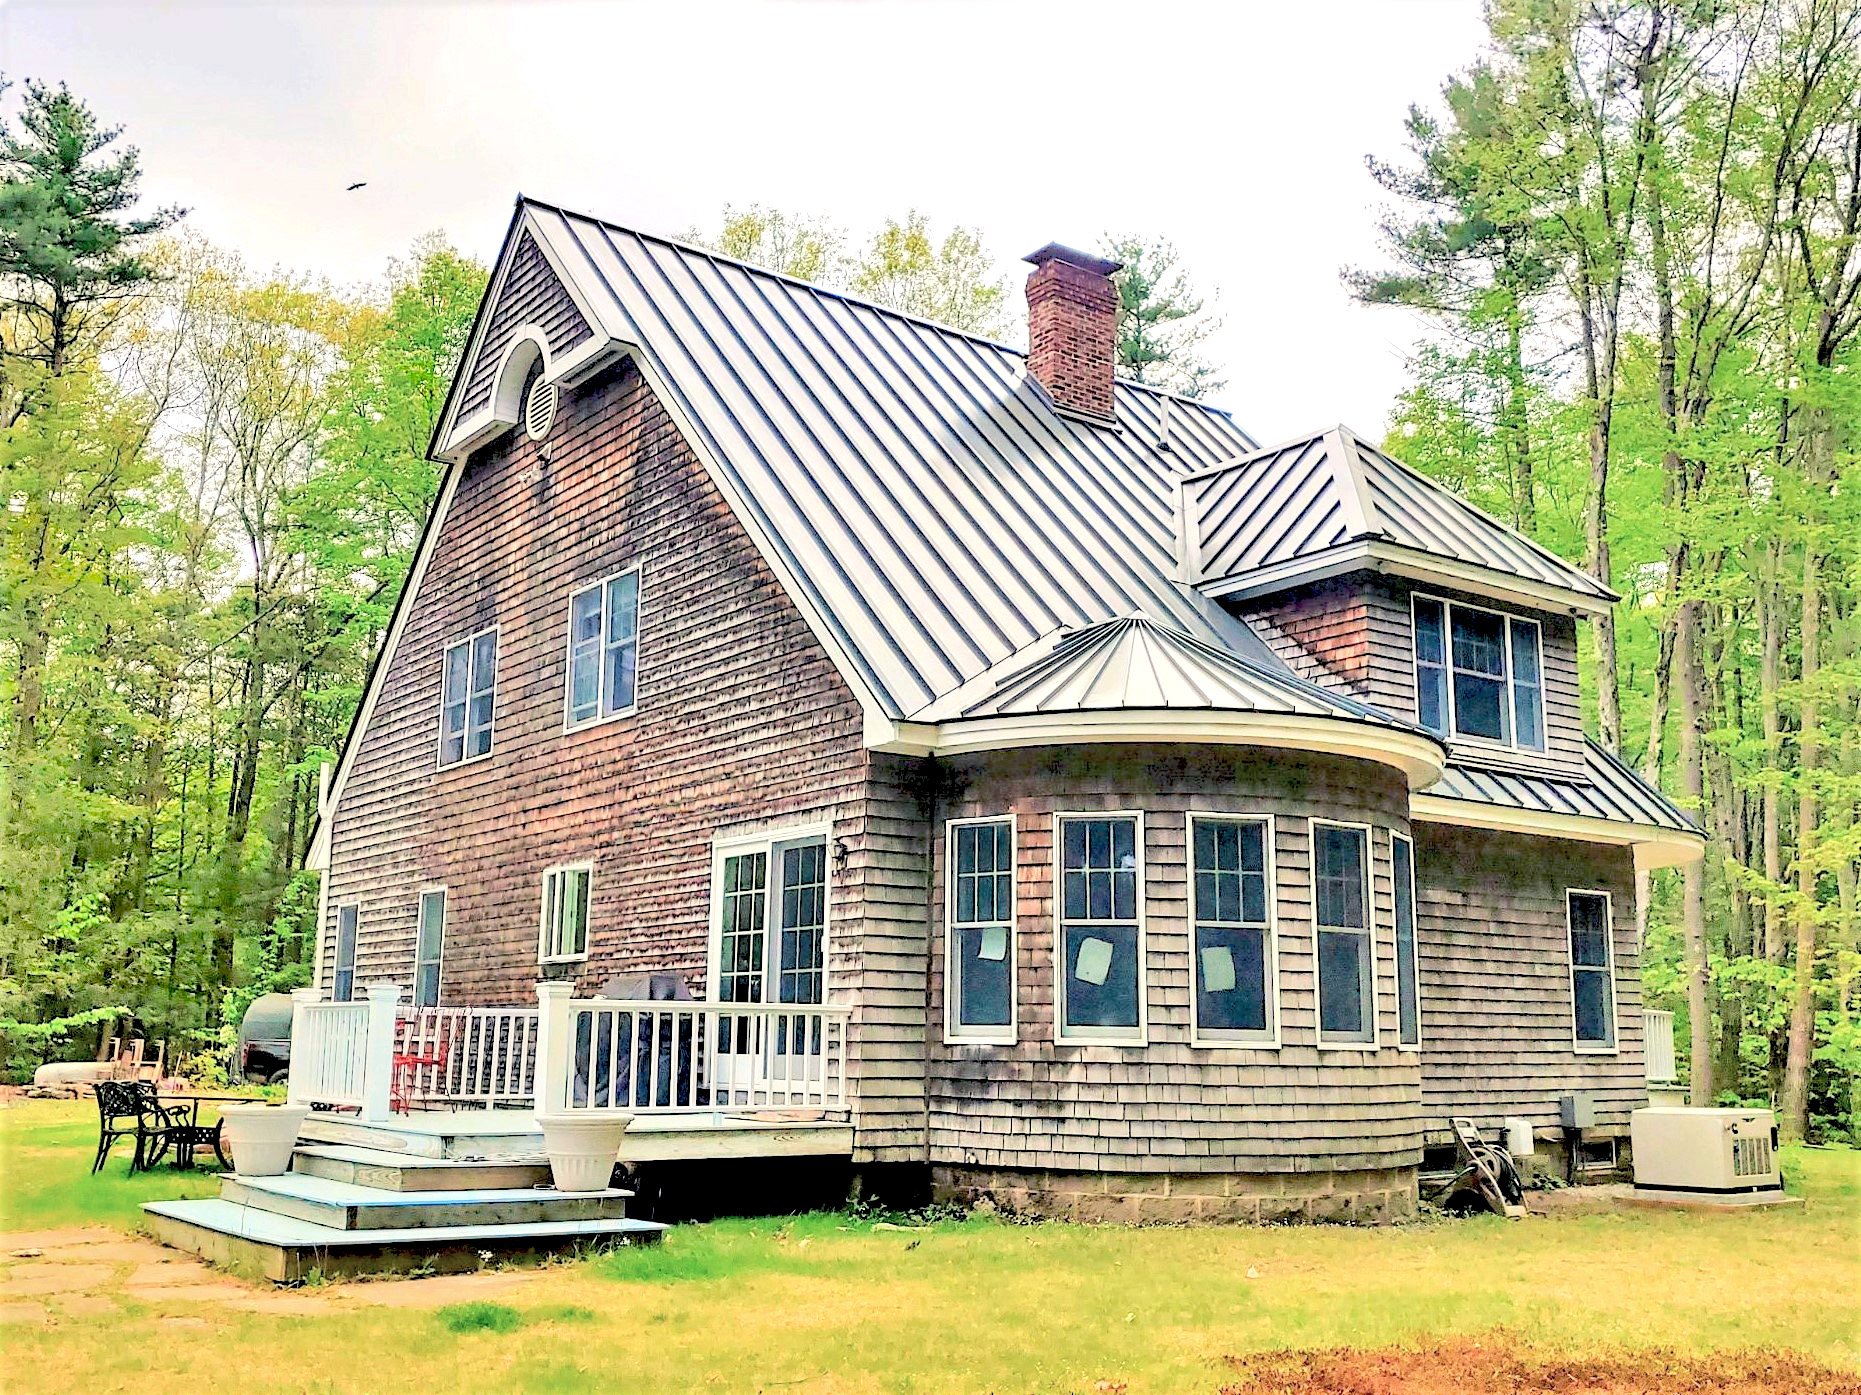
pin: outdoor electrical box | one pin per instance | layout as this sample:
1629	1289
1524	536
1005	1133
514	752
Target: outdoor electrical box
1578	1110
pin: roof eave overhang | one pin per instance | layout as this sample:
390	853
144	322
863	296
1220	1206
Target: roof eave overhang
1396	560
1653	845
1420	758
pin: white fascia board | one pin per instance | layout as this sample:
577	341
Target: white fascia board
1420	758
1416	566
1654	846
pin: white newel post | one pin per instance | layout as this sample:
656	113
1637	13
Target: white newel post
301	1034
378	1067
553	1048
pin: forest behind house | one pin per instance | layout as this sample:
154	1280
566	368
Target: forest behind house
1633	232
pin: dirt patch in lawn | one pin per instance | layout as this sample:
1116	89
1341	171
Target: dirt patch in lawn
1498	1363
83	1271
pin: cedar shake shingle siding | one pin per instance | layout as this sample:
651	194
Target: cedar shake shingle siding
742	721
531	294
1495	978
1355	634
1171	1106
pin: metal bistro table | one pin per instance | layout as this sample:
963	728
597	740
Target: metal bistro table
193	1134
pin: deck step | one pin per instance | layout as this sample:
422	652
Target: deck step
264	1244
476	1136
406	1172
346	1206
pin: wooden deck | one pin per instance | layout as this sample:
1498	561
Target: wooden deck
474	1135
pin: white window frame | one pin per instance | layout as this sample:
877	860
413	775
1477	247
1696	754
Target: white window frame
1612	1047
439	960
726	846
491	728
355	942
1511	686
954	1032
1220	1038
543	956
569	724
1332	1043
1395	939
1063	1035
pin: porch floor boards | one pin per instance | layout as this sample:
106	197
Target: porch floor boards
513	1136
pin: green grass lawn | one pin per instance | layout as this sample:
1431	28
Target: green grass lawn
824	1302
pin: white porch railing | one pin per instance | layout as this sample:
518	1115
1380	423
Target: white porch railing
342	1053
1657	1045
464	1055
668	1057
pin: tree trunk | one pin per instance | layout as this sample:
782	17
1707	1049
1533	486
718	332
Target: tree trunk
1803	1002
1693	875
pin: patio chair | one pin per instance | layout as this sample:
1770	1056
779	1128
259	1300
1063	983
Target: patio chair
154	1127
410	1058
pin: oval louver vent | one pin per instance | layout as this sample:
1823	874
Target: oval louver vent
539	412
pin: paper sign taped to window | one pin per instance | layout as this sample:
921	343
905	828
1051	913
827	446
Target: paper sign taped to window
1217	969
1094	961
994	946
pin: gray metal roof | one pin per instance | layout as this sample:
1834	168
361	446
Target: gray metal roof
1312	497
1137	663
1615	792
920	487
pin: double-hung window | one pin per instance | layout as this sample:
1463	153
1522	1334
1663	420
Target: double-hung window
1233	960
564	935
1101	928
1592	970
771	944
1342	922
467	693
429	946
342	981
604	648
1408	970
980	976
1478	674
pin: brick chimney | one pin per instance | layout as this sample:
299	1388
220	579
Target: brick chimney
1072	323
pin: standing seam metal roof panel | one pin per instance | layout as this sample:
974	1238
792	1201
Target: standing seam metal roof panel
1308	496
981	517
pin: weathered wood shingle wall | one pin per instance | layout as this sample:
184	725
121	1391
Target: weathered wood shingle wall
531	294
1497	1036
742	723
1172	1106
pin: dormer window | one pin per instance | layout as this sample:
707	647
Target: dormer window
1478	674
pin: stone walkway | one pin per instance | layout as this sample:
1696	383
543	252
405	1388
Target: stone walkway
49	1275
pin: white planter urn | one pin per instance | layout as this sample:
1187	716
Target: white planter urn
582	1148
262	1137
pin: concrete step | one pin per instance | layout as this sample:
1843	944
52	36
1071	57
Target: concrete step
408	1172
346	1206
264	1244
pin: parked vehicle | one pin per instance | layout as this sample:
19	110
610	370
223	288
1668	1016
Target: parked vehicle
264	1052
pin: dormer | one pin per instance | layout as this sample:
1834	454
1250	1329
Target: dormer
1371	578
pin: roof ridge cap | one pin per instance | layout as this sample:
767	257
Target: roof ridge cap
1356	499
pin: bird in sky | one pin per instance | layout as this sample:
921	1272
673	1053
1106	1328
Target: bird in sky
359	184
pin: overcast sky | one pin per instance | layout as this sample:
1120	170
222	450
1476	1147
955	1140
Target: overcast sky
1238	130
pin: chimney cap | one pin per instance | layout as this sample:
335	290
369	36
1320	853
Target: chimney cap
1058	252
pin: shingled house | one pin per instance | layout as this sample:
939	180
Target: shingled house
1178	827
